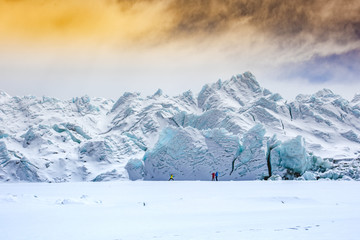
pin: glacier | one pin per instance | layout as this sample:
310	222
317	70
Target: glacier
234	127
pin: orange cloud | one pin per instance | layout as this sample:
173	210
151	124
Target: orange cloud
130	22
93	20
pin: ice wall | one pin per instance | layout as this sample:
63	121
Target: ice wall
191	154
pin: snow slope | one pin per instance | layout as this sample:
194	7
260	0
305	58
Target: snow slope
235	127
314	210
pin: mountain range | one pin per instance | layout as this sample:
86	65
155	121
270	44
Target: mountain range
234	127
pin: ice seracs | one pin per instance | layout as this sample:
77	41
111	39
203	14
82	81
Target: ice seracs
233	126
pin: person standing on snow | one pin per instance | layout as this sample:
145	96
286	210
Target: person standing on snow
171	177
213	176
216	175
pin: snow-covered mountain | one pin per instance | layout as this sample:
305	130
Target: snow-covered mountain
235	127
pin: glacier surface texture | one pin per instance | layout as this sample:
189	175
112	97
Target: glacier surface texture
234	127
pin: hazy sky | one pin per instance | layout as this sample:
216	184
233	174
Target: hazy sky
106	47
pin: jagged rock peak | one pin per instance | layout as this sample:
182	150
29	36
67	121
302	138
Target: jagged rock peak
240	88
356	98
81	100
219	84
243	81
4	94
158	93
123	99
247	80
189	95
324	93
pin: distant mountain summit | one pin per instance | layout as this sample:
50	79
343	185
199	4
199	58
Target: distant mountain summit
235	127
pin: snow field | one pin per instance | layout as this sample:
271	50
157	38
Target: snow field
181	210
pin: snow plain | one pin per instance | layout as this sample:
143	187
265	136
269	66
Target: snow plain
181	210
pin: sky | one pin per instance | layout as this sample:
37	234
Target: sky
104	48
